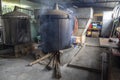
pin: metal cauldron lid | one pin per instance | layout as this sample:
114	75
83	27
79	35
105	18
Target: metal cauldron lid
57	11
16	14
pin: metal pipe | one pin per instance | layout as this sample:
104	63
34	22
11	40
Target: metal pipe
0	8
95	6
107	1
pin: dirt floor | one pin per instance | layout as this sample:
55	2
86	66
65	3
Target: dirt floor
88	56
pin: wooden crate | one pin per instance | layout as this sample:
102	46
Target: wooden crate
95	34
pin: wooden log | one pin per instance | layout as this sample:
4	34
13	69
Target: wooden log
57	72
38	60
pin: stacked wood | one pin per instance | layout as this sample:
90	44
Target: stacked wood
54	61
22	49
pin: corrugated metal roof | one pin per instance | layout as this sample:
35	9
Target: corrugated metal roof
81	3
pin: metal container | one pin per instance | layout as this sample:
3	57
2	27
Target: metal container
1	35
56	30
17	28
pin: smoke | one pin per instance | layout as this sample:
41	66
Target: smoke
46	5
49	4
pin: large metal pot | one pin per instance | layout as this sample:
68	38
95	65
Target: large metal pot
56	30
17	28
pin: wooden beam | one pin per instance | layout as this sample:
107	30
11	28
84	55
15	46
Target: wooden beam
98	14
12	1
84	68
